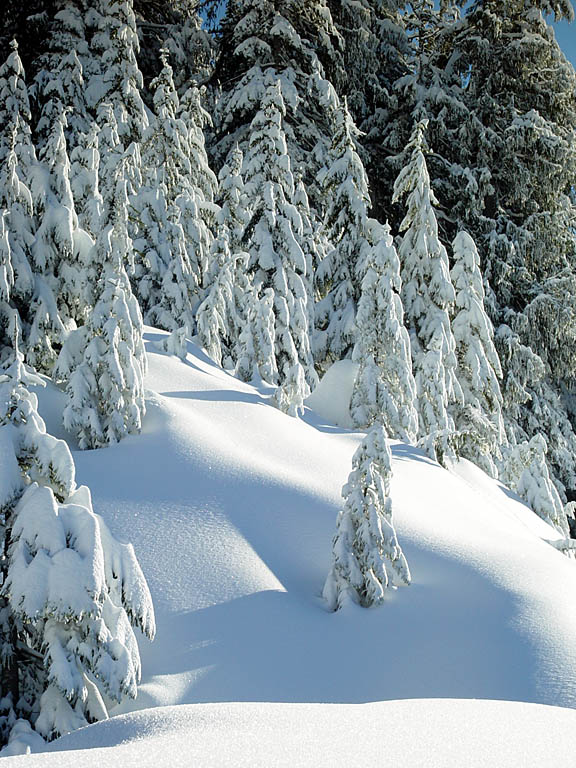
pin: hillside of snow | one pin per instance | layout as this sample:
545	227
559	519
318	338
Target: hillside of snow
231	508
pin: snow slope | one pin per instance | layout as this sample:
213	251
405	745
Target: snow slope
231	507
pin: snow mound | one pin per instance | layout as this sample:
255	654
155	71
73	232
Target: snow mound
439	733
331	398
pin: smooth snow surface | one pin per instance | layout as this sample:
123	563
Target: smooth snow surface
412	734
231	507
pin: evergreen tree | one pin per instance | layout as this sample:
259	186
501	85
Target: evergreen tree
384	390
15	114
69	592
513	132
197	119
232	199
17	158
18	279
8	314
85	183
263	41
428	296
366	556
234	216
532	407
314	247
60	86
339	275
119	82
54	247
192	50
273	240
159	242
479	421
256	345
222	316
198	210
376	52
520	93
525	471
23	180
216	316
104	361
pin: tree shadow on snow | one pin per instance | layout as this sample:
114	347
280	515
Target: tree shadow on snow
311	418
270	646
221	395
406	452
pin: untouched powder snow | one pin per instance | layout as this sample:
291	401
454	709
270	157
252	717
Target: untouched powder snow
411	734
231	508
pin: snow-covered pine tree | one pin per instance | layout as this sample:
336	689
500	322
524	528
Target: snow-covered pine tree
431	89
478	421
18	280
111	155
15	114
191	48
8	314
22	176
222	316
216	316
159	243
54	250
104	361
17	158
316	243
531	406
84	181
315	247
60	85
198	210
256	345
375	55
119	82
339	276
68	33
69	592
427	295
268	40
384	390
366	556
273	240
232	199
520	94
513	132
197	119
234	215
525	471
